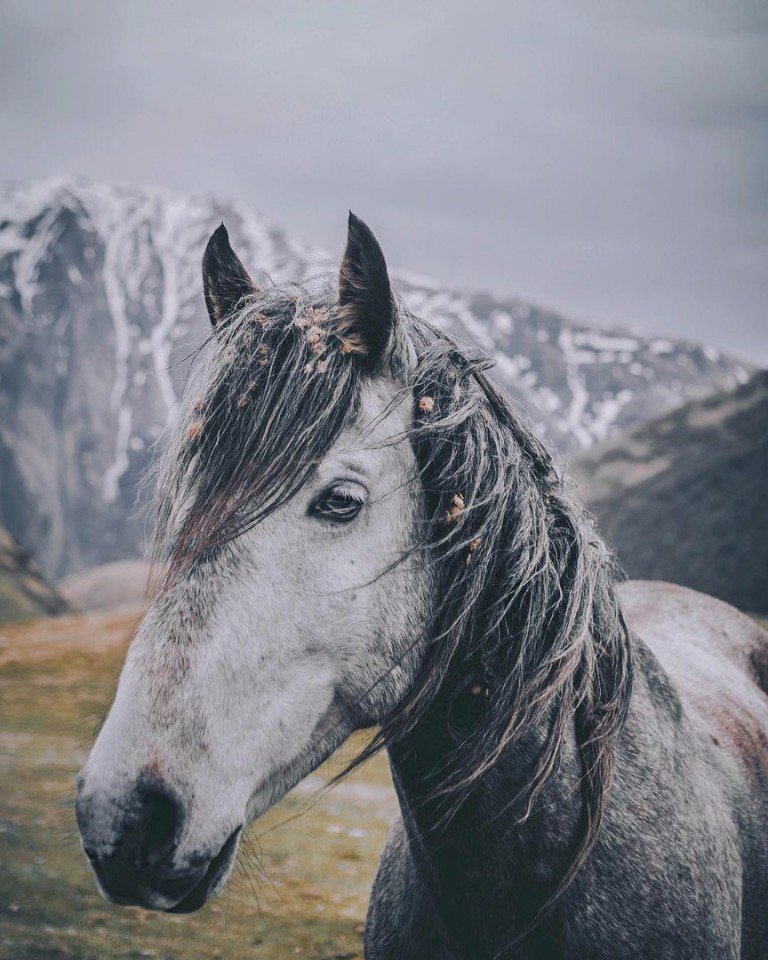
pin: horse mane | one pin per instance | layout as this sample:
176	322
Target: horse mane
526	585
528	614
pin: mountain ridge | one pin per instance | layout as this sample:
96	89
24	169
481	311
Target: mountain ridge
100	307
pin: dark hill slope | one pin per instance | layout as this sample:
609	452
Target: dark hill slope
685	497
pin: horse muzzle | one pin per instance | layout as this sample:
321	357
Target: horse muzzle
132	846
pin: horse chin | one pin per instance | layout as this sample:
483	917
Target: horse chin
214	879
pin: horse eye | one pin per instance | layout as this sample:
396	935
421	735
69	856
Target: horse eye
339	503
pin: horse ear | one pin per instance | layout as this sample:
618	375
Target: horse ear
225	279
366	319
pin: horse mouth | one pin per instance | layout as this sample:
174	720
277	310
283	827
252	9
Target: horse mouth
213	877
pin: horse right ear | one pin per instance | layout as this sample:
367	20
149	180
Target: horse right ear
225	279
367	322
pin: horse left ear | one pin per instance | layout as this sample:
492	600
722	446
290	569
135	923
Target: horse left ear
225	279
366	319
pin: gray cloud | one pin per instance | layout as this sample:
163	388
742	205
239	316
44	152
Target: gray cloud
606	158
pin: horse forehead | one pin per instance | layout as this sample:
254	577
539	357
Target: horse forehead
385	417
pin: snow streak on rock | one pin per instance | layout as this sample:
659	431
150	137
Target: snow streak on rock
100	307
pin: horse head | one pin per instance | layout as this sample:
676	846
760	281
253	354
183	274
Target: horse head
293	607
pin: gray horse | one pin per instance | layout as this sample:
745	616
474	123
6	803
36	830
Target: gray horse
357	530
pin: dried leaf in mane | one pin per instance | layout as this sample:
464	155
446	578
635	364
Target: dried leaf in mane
474	543
313	316
316	337
194	428
455	510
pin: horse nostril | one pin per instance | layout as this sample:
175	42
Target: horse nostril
160	824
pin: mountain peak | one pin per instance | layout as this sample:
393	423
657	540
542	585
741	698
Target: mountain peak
101	304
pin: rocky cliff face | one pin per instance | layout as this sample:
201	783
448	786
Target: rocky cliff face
24	592
100	305
683	498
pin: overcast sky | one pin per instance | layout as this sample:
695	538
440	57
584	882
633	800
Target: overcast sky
607	158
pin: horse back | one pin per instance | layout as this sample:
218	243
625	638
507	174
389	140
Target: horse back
718	660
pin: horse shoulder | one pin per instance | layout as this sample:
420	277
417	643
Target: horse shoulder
402	922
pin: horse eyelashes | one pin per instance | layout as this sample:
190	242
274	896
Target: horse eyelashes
339	504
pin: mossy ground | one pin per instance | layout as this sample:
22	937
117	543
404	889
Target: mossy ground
300	888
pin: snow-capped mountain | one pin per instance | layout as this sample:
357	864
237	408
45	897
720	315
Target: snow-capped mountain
100	305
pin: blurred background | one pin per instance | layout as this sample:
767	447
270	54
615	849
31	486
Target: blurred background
578	190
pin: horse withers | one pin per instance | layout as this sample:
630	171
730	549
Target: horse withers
356	529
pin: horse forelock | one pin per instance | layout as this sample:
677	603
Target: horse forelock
262	408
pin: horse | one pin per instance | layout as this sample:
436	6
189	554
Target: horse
357	529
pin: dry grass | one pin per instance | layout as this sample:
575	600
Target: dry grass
299	889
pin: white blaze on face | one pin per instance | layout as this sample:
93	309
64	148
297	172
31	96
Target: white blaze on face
250	671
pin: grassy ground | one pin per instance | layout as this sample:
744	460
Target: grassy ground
307	898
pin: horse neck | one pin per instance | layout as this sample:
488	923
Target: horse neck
487	872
